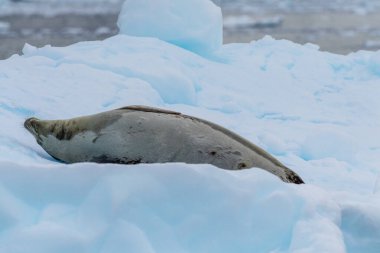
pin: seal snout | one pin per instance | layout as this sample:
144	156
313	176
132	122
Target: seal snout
30	124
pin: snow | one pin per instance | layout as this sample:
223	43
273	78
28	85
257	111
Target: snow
315	111
196	25
157	208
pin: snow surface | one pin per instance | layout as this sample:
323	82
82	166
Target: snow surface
316	112
195	25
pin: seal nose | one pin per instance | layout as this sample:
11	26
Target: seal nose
29	124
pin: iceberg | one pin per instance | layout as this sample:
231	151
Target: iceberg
317	112
195	25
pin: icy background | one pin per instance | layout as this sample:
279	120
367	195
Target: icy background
169	21
60	6
339	26
54	7
316	112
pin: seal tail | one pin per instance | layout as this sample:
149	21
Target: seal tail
292	177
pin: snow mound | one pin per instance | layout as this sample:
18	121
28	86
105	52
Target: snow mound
316	112
195	25
157	208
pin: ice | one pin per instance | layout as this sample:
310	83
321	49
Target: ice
4	26
245	21
372	44
103	30
375	63
315	111
51	8
195	25
360	225
146	208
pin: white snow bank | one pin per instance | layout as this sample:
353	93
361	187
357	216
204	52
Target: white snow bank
195	25
316	112
159	208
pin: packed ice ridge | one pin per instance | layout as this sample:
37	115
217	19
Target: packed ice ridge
315	111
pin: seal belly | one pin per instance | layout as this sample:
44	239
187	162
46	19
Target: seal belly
161	138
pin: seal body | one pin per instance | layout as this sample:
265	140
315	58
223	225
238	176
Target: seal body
138	134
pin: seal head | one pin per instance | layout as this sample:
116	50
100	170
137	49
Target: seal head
33	125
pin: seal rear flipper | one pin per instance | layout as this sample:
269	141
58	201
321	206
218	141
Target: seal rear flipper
292	177
143	108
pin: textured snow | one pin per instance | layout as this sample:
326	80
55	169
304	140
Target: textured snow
316	112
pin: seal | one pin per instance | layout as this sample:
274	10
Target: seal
141	134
